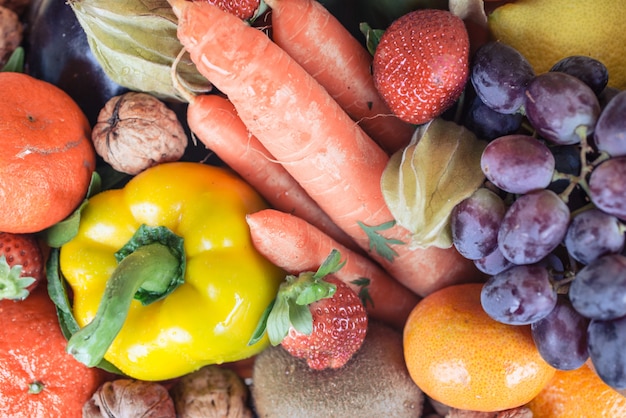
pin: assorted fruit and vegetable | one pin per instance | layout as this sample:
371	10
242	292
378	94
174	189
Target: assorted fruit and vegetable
412	208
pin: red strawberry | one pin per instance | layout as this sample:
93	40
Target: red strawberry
317	317
21	265
243	9
421	64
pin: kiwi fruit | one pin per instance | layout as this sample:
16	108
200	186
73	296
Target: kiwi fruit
374	383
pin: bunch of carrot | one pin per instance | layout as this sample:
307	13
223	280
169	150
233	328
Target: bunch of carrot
304	124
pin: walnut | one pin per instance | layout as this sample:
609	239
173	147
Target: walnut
211	392
136	131
11	33
520	412
18	6
130	398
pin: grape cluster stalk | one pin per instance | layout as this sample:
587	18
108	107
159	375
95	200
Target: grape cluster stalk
548	225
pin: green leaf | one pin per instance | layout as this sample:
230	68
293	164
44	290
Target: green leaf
301	318
423	182
315	291
372	36
259	331
364	293
379	243
278	321
62	232
58	293
15	63
332	264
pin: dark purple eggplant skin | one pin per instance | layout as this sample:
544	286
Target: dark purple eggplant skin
57	52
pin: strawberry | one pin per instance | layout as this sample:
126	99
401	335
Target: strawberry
21	265
243	9
421	63
317	317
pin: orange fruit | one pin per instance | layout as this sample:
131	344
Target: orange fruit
38	378
462	358
46	154
578	393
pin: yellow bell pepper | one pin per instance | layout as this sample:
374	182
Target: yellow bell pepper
163	273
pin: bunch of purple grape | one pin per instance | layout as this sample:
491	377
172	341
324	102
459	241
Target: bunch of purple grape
548	225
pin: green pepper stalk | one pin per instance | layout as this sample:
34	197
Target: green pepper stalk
221	287
148	271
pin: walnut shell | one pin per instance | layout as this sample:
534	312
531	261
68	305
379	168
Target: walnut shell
130	398
136	131
11	33
211	392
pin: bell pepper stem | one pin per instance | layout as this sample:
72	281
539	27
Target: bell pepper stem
150	267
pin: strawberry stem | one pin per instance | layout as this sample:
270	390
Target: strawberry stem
290	308
12	285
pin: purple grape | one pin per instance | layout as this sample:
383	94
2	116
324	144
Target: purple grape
599	289
610	130
488	124
607	342
518	163
592	234
588	70
534	225
520	295
607	187
475	222
493	263
561	336
566	161
559	105
499	75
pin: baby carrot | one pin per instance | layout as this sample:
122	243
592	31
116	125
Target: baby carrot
214	121
318	41
296	246
305	129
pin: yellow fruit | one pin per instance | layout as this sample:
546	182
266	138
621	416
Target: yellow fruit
545	31
462	358
578	394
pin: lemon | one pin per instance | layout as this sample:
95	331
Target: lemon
545	31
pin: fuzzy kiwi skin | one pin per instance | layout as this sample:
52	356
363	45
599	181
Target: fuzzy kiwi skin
374	383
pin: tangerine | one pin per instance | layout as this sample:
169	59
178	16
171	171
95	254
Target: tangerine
578	393
46	156
461	357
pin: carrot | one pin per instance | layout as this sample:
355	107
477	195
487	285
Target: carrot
305	129
318	41
214	120
296	246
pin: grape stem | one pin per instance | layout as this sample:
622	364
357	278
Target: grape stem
586	167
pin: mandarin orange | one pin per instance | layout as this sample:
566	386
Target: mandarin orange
46	154
578	393
462	358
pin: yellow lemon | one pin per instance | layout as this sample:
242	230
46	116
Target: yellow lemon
545	31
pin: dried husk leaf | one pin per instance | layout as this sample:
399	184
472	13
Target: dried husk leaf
425	181
135	42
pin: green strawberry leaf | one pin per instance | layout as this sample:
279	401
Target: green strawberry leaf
372	36
301	318
278	321
331	265
364	293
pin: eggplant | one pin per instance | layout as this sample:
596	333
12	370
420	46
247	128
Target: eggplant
57	52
